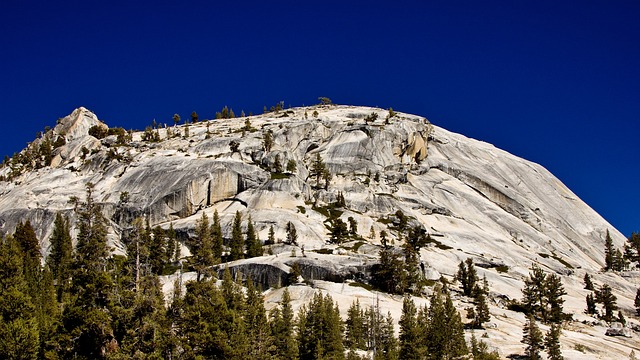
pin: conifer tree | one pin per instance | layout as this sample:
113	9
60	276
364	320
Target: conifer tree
255	321
591	305
26	238
85	319
292	234
236	244
454	345
411	333
203	247
59	259
481	312
553	291
552	343
173	248
467	276
533	292
158	250
355	327
318	168
271	239
632	249
48	314
282	324
216	236
608	252
608	301
389	275
532	337
252	243
480	350
588	284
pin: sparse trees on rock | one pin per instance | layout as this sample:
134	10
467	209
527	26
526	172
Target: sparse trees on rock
542	295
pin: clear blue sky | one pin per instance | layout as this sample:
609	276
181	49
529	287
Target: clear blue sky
555	82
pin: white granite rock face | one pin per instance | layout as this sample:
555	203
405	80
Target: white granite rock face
476	200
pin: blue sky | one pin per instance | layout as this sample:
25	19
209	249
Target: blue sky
555	82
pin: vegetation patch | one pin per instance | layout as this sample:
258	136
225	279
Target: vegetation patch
302	209
502	269
278	176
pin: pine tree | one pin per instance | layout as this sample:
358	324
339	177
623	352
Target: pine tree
144	330
173	248
318	168
48	314
553	291
292	234
202	248
532	337
389	275
591	305
534	291
282	323
158	250
216	237
481	311
59	259
411	346
355	327
552	343
237	241
85	319
277	165
271	239
608	301
252	243
258	329
588	284
608	252
454	345
468	276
